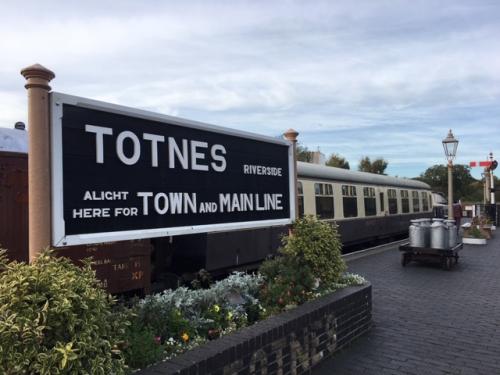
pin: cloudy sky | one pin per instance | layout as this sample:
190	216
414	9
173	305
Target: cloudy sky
376	78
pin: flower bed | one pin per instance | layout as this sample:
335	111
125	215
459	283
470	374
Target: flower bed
70	325
291	342
174	321
310	267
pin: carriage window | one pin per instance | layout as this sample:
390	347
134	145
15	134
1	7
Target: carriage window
393	201
300	196
382	203
425	202
416	203
350	201
405	201
370	203
324	200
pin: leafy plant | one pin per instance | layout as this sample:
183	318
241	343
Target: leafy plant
201	312
164	321
288	283
142	346
55	318
203	280
316	244
474	232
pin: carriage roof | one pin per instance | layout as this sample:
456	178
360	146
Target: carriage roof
309	170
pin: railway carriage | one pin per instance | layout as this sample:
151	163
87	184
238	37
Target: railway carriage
365	206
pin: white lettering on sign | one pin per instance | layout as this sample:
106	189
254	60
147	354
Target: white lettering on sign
126	211
198	155
189	154
250	202
99	131
174	151
175	203
262	170
92	195
219	158
89	213
136	153
207	207
154	146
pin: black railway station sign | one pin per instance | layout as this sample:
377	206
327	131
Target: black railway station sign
120	173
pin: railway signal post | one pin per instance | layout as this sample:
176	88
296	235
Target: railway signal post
493	165
39	171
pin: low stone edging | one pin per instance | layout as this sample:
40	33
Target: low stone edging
291	342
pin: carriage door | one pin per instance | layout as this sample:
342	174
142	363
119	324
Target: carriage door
382	207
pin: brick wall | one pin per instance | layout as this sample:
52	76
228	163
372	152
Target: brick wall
290	343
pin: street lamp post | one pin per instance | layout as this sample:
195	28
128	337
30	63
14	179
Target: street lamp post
450	145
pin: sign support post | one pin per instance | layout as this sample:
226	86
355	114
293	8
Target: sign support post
291	135
39	171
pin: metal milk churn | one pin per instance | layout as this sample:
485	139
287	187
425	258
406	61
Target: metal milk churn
417	234
426	224
439	234
452	233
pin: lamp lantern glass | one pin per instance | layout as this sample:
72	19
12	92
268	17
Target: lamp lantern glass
450	144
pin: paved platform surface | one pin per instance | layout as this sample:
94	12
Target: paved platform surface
427	320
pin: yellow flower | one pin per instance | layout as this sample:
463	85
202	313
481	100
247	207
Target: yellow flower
216	308
185	337
229	315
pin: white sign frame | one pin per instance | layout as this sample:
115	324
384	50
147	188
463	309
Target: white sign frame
59	237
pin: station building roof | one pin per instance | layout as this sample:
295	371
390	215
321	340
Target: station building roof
309	170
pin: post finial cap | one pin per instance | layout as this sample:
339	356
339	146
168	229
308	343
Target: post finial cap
37	76
291	134
37	71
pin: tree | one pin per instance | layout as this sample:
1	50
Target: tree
337	161
463	183
378	165
303	154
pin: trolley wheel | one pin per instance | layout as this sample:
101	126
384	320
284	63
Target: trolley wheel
405	259
447	263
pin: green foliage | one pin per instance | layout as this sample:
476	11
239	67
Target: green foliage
316	244
474	232
378	165
304	154
142	347
203	280
288	283
463	183
337	161
164	321
55	318
183	318
311	261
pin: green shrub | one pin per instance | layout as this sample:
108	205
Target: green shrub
196	307
165	321
203	280
288	283
55	318
316	244
142	346
475	232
